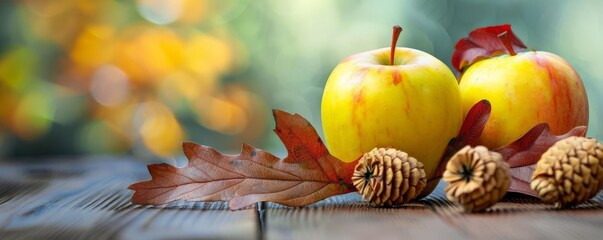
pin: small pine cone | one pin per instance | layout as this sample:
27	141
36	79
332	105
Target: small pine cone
477	178
387	177
569	172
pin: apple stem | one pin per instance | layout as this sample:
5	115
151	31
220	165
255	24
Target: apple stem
504	38
396	34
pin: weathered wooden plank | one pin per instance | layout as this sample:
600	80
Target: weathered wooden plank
347	216
521	217
90	200
162	223
516	217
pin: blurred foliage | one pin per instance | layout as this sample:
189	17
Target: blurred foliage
117	76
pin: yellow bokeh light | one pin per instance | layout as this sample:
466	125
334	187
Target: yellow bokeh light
221	115
93	47
187	85
193	12
160	131
208	53
147	54
255	109
233	112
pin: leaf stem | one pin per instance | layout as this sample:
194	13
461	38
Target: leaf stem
396	33
506	41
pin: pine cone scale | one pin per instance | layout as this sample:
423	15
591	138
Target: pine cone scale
405	185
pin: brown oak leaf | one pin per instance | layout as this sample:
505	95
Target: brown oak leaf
308	174
523	154
483	43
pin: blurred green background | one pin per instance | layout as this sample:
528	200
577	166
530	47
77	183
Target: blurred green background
139	77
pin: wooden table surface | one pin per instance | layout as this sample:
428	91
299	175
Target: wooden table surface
89	199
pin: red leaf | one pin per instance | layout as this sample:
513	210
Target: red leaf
528	149
483	43
521	178
472	128
523	154
308	174
474	123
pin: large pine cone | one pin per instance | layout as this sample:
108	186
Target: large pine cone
477	178
569	173
387	177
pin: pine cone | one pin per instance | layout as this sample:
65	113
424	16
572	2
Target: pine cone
477	178
387	177
569	173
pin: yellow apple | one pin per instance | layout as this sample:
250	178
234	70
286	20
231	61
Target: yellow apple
524	89
412	105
